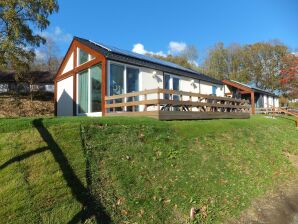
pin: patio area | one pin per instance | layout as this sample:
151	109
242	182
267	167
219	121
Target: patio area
166	104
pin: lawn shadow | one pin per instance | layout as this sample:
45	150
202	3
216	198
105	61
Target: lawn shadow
91	206
23	156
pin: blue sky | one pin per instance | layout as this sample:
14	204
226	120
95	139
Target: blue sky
166	26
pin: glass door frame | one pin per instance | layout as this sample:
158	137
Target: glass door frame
171	82
124	78
90	114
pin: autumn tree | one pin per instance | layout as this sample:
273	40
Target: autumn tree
18	19
259	63
289	76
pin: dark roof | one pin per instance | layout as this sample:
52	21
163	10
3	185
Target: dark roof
256	89
129	57
39	76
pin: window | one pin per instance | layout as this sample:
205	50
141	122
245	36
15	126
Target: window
83	57
214	90
116	79
123	79
83	92
89	90
171	82
95	79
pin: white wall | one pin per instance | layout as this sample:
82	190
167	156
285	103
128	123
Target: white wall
270	101
65	97
69	64
265	101
276	102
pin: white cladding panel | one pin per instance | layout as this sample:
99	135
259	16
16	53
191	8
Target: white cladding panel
69	64
270	101
276	102
65	97
265	101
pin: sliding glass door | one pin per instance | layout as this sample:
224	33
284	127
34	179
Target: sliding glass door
83	93
89	91
173	83
123	79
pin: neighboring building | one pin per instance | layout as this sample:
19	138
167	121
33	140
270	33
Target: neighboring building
90	71
257	97
41	81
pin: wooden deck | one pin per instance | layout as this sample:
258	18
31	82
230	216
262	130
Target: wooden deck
165	104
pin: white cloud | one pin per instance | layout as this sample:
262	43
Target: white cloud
176	47
57	34
140	49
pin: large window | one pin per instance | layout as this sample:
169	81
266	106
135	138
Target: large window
83	56
171	82
123	79
89	90
214	88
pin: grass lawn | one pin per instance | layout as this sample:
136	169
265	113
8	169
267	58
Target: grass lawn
138	170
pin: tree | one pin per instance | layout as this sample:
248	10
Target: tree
259	63
190	53
289	76
18	18
47	58
179	60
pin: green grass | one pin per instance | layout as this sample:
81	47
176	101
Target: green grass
138	170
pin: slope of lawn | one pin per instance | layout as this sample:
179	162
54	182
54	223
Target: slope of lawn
138	170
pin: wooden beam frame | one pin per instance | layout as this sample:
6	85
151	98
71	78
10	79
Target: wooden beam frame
244	90
99	58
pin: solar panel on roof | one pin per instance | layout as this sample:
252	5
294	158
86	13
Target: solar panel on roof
142	57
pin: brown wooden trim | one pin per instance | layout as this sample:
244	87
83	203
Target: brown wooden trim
175	92
89	50
175	103
78	69
252	102
103	85
64	76
150	91
55	98
65	59
238	86
74	97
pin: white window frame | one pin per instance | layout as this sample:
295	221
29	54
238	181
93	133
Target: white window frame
171	81
78	57
124	78
89	114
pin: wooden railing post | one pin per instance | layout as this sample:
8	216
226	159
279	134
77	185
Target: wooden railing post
158	99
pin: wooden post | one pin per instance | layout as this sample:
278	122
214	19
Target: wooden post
114	109
145	99
133	107
252	100
158	99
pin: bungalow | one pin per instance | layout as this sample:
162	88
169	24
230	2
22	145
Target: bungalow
95	79
35	81
258	98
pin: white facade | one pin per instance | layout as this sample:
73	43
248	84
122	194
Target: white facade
69	64
65	97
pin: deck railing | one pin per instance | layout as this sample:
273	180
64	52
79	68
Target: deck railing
173	102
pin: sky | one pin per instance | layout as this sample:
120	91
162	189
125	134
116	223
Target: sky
166	26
